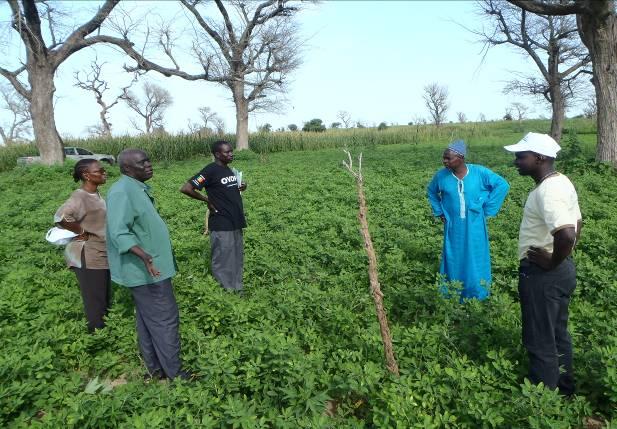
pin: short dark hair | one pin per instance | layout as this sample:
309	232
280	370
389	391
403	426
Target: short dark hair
81	167
125	157
216	146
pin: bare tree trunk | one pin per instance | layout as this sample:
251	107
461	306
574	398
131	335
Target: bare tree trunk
558	106
386	338
599	33
242	116
47	139
105	124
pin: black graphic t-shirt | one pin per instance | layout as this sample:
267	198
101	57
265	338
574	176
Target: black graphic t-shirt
221	186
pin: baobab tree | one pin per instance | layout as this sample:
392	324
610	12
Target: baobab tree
151	109
252	51
597	26
44	54
94	83
436	101
552	43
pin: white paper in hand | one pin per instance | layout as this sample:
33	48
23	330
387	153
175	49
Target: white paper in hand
238	177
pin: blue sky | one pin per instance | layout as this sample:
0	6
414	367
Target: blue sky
370	58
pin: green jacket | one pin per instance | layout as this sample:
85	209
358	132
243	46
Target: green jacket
132	220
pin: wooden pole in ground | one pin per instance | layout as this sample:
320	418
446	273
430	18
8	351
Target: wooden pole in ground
372	266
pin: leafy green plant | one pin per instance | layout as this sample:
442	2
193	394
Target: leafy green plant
302	347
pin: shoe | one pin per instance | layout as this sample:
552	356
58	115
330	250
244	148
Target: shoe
157	374
184	375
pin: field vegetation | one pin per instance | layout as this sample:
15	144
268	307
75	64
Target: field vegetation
302	347
168	149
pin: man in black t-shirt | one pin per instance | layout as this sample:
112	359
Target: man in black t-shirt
226	218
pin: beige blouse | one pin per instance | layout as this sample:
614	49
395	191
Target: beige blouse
89	211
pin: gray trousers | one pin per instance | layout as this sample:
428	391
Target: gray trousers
157	322
227	252
545	296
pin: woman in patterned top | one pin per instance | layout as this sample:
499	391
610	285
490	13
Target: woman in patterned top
84	214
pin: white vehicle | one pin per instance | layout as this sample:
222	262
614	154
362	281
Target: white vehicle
75	153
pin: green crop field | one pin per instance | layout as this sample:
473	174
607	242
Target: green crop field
302	348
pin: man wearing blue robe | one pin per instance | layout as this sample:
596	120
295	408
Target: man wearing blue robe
463	196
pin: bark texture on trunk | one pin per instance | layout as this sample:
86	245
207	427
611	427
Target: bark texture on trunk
556	95
559	111
105	125
46	136
242	116
599	31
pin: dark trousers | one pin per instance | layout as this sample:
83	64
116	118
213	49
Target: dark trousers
157	321
227	252
545	296
95	287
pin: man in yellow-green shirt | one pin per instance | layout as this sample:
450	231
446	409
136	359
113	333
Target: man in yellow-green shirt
550	228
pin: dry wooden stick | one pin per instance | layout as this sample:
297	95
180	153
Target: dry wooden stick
206	231
372	265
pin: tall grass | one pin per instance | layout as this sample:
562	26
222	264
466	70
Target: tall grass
160	148
171	148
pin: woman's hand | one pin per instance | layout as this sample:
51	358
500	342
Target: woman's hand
83	235
75	228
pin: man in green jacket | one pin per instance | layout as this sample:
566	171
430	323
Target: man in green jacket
141	258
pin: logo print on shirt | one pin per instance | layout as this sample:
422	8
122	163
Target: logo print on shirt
228	179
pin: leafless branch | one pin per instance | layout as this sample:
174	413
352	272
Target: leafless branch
167	41
94	82
19	126
356	173
78	38
12	77
568	7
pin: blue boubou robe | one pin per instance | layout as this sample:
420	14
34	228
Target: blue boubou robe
466	204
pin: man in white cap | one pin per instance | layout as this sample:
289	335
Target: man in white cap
550	228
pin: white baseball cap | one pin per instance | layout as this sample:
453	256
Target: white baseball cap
542	144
